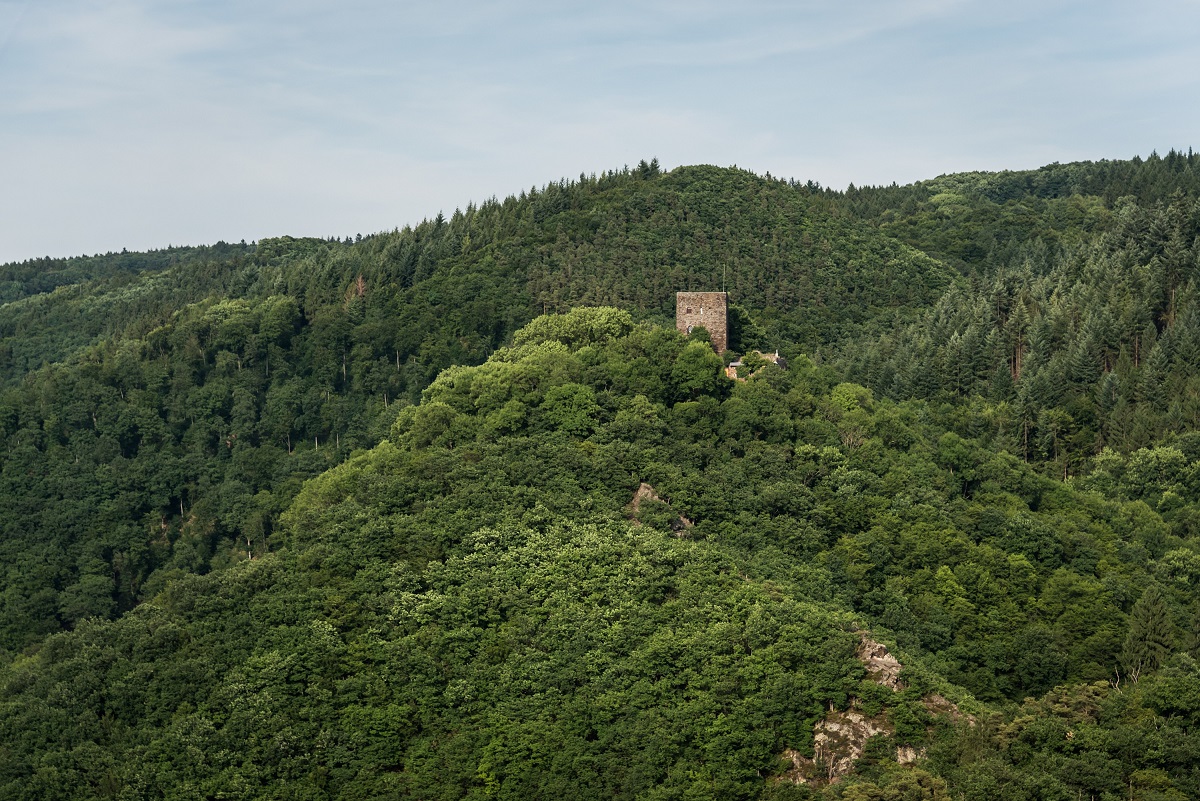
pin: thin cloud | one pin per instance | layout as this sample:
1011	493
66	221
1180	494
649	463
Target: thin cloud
82	56
12	14
135	123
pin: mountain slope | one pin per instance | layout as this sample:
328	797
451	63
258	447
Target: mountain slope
477	606
1009	499
189	392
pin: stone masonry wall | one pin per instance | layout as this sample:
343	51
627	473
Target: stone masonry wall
707	309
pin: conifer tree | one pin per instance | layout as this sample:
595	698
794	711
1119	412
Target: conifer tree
1151	634
1154	375
1108	391
1082	366
1001	385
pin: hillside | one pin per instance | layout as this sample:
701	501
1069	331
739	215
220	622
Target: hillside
477	607
162	411
1080	327
354	519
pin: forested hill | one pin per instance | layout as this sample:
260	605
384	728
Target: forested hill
1079	328
462	284
985	455
594	567
162	410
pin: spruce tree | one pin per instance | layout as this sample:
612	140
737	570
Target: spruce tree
1151	635
1082	365
1108	391
1154	376
1001	385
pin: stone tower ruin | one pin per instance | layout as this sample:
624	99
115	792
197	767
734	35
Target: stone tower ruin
706	309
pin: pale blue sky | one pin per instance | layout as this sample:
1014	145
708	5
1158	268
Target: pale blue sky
138	124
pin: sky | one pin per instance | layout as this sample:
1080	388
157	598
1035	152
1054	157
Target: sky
140	124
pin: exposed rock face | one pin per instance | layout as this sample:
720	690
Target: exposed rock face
937	705
840	737
803	769
838	740
882	667
645	492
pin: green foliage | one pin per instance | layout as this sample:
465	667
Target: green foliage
698	371
745	334
475	608
578	327
147	400
564	556
1078	322
1151	636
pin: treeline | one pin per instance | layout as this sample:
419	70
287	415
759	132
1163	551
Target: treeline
973	218
39	276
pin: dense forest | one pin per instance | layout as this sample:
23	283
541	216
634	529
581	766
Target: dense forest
162	412
453	511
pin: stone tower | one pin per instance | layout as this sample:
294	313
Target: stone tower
706	309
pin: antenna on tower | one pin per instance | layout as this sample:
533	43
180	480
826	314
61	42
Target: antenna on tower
724	272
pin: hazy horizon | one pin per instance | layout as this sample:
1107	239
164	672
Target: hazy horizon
143	124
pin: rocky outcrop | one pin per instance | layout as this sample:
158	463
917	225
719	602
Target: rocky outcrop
838	740
645	492
937	705
840	737
679	524
882	667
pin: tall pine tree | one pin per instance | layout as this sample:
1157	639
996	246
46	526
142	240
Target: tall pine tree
1151	635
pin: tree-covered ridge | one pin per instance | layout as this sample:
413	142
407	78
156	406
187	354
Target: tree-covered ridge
982	222
629	238
1065	347
39	276
160	412
476	607
51	308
